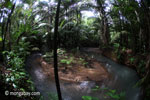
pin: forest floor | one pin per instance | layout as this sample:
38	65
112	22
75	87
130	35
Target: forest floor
74	67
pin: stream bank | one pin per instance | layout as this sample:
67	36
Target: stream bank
122	79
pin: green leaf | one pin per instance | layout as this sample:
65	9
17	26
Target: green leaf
17	75
109	94
115	97
22	89
0	38
86	97
8	4
22	73
61	24
12	78
105	88
112	91
96	88
68	62
63	60
132	59
89	98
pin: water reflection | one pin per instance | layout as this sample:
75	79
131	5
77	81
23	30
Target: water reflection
122	79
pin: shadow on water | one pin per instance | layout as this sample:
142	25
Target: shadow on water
123	79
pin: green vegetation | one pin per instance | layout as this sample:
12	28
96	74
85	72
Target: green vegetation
67	57
15	75
119	28
89	98
112	94
109	94
51	96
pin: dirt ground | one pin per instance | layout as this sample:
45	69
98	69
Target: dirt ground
77	72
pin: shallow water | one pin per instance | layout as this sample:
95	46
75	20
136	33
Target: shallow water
122	79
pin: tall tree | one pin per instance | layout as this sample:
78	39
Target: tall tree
104	22
55	51
6	28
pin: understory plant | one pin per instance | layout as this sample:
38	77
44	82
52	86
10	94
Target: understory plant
15	75
109	94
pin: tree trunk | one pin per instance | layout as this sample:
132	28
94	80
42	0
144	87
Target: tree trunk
104	24
9	37
7	26
55	51
3	43
146	23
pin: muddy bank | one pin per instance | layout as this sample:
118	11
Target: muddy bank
75	73
75	82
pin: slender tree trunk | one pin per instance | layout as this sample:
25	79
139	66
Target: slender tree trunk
9	37
77	32
7	25
104	23
3	44
121	37
55	51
